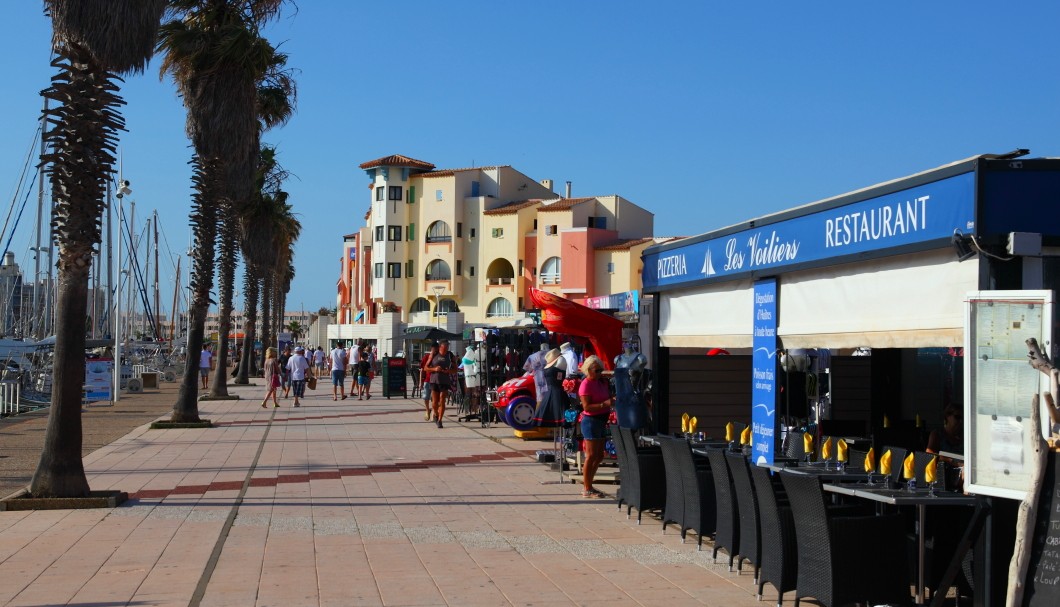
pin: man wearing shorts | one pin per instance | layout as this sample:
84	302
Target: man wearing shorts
338	373
285	374
319	359
364	368
205	357
425	380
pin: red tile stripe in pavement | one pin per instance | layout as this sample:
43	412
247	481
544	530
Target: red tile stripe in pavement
248	422
328	474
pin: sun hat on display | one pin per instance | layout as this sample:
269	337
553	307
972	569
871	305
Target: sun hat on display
551	357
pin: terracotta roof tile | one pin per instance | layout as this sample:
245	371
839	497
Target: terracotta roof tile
448	172
563	204
512	207
624	245
397	160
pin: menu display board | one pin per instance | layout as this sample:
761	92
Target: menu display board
1000	385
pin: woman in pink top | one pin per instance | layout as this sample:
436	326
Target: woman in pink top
595	395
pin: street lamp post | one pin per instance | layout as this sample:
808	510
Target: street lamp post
438	305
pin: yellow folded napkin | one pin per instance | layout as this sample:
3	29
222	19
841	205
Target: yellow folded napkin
870	460
886	422
684	423
807	442
745	436
730	432
841	450
885	463
909	467
929	472
692	423
826	449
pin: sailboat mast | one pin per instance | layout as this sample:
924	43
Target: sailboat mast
35	328
158	309
173	310
134	247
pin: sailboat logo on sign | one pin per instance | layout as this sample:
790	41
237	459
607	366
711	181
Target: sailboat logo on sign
708	267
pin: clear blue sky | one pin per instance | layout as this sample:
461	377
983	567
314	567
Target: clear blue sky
705	113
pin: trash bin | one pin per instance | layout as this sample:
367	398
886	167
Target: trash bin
394	376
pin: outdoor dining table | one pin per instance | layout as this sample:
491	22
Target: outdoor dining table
921	498
828	473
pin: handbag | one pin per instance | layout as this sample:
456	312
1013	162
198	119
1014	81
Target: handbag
311	382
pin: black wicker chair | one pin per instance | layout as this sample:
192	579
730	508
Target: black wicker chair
856	460
643	479
674	511
698	498
780	564
844	560
750	539
921	459
897	457
727	531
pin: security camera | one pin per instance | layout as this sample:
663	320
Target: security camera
123	189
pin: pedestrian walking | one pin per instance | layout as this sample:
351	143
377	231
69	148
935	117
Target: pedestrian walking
285	375
205	362
364	377
272	377
298	368
425	380
442	367
338	373
319	360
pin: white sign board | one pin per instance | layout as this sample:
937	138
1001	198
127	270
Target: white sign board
99	375
999	385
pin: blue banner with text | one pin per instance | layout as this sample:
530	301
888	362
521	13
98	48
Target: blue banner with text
919	214
764	372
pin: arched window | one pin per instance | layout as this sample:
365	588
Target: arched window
438	270
500	272
421	305
439	232
550	271
447	306
499	307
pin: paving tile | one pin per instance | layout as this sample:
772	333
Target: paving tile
350	503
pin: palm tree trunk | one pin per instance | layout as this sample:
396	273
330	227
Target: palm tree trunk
61	472
229	231
81	132
266	314
251	287
204	227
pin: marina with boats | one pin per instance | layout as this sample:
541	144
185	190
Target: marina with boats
127	320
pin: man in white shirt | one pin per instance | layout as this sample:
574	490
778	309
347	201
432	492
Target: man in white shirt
338	372
318	359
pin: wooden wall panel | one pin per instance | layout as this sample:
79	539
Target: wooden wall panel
714	389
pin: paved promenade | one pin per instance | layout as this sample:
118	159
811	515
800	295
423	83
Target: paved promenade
345	503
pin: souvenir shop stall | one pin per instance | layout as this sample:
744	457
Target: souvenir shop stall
853	311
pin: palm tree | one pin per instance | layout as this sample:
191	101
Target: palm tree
93	42
228	233
274	105
261	222
216	57
296	329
